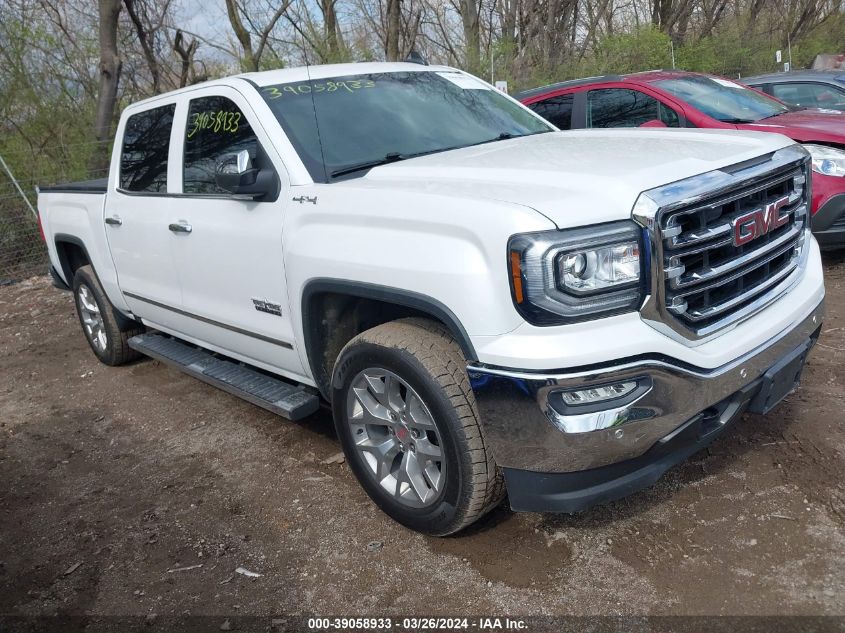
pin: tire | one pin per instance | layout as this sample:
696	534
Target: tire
106	331
445	478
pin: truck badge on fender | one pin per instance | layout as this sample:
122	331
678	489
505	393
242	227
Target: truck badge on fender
757	223
266	306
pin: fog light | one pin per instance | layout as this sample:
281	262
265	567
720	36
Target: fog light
594	395
599	406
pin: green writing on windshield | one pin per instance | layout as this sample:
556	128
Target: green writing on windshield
351	85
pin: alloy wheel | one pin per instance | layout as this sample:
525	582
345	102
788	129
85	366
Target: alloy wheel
92	319
394	433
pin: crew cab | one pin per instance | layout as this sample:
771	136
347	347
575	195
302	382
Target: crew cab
487	304
694	100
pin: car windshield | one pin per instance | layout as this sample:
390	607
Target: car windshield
723	100
342	126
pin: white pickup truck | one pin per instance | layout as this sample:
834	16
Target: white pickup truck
486	303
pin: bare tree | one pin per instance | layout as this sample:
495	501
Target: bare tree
251	59
330	28
110	65
186	53
394	21
469	11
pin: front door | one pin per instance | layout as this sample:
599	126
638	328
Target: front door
229	256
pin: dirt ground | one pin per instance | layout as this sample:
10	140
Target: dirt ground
138	491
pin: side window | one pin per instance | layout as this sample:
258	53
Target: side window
558	110
216	128
146	143
617	107
810	95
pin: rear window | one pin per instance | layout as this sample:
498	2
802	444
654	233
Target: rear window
146	143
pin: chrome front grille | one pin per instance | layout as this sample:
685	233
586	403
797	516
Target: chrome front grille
708	276
725	244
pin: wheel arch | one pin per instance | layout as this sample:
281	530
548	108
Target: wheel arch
72	255
336	310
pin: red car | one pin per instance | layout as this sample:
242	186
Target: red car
693	100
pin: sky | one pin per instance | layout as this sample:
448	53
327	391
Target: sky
206	18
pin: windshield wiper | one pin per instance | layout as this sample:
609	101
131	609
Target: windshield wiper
739	120
391	157
394	157
771	116
502	137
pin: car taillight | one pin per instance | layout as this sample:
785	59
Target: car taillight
41	227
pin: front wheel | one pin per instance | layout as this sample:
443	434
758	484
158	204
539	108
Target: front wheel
407	420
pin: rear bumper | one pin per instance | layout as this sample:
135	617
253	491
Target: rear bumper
828	223
555	461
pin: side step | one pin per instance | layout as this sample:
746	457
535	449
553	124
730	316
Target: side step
285	399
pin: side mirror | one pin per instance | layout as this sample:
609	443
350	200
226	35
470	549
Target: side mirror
654	123
235	174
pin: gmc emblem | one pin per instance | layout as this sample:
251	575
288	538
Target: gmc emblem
757	223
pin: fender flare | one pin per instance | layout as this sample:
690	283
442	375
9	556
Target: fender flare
406	298
64	238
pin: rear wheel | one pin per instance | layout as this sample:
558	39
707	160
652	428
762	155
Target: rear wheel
407	420
105	330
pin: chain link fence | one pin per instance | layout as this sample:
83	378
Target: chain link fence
22	251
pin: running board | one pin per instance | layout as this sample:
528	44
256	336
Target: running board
286	399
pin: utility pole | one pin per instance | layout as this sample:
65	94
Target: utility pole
789	49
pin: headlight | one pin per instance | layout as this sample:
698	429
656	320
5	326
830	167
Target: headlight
827	160
564	276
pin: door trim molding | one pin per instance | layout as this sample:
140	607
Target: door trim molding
225	326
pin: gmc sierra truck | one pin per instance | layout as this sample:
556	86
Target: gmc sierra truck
486	303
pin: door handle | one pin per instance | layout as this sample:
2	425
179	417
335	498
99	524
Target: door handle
114	221
180	227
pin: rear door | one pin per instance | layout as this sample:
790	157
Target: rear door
230	259
136	218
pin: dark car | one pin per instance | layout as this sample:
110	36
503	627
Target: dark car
674	98
804	88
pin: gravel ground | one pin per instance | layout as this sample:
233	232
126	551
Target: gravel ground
138	491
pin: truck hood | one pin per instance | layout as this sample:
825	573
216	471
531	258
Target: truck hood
805	125
574	178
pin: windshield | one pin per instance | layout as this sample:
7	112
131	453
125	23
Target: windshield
344	125
723	100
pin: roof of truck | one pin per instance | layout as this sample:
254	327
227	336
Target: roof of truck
302	73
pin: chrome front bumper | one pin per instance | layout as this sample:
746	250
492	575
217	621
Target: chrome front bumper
527	433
